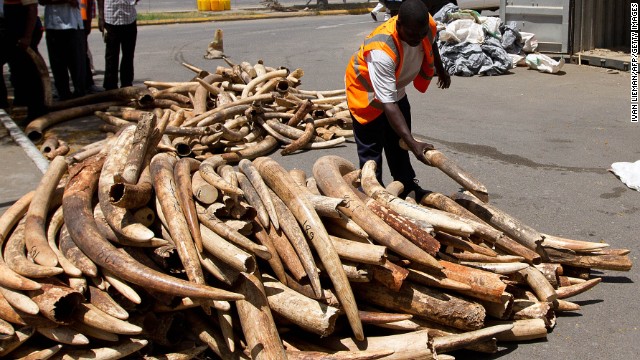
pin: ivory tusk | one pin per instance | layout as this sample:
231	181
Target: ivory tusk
282	184
372	187
120	219
182	174
82	228
92	316
252	174
56	222
11	216
20	337
328	171
64	335
116	351
572	290
71	251
56	301
121	286
16	259
35	233
208	172
103	301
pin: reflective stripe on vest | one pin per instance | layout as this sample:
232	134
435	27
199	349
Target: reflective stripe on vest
360	94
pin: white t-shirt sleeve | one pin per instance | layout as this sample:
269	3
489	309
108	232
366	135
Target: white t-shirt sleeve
382	72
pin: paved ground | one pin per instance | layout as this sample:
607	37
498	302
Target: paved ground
541	143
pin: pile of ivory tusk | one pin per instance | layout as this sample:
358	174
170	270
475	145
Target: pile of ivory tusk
128	249
242	110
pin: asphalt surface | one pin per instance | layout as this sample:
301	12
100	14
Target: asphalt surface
541	143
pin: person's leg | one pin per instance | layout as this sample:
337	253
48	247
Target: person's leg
87	55
399	159
369	142
4	48
57	47
77	62
129	35
111	57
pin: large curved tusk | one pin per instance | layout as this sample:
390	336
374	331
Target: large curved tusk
289	225
250	171
182	174
11	216
16	259
164	184
253	198
280	181
372	187
208	172
56	222
82	228
121	221
35	233
71	251
328	171
35	128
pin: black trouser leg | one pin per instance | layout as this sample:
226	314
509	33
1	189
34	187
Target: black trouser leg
111	57
58	60
129	37
376	136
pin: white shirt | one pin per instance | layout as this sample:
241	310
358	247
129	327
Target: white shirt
382	72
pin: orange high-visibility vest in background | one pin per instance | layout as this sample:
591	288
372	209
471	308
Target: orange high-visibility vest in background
84	9
360	95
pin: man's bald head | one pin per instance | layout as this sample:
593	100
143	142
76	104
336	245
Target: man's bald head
413	12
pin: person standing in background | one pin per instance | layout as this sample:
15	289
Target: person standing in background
117	22
87	10
4	46
23	31
66	46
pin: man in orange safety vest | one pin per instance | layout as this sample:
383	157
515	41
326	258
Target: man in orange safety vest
399	52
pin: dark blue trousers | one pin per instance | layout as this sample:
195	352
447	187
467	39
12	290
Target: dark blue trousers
376	136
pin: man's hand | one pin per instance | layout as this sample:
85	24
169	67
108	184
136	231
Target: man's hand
444	80
101	24
419	149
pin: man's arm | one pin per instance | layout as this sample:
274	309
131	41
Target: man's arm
444	80
399	125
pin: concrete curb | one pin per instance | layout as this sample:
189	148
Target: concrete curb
250	14
21	139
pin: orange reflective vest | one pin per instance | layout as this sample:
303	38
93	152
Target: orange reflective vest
360	95
84	7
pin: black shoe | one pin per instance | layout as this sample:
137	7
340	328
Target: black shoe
418	192
375	18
